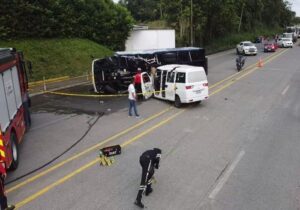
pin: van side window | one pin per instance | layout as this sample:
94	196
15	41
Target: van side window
158	73
171	76
180	77
146	78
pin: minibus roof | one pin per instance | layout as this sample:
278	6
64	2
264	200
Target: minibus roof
149	52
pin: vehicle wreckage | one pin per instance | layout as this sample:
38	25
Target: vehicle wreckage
113	74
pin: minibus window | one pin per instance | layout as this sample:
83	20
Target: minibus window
171	76
183	56
196	76
123	63
168	58
197	55
180	77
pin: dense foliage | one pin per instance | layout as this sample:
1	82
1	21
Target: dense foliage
99	20
212	18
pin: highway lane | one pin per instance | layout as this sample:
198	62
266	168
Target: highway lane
187	126
267	177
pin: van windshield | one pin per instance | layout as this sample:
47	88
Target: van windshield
196	76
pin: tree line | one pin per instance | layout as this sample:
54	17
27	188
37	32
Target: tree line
195	21
100	20
201	21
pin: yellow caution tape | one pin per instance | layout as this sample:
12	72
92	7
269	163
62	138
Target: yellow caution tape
94	95
40	82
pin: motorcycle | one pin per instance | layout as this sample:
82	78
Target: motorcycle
240	62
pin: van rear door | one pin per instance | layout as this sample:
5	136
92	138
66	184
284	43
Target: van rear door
147	87
197	85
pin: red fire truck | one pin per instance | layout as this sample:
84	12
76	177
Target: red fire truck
14	103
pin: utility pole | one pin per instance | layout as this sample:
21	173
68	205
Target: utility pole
241	18
160	8
192	36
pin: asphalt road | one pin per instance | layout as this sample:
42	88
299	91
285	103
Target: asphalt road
237	150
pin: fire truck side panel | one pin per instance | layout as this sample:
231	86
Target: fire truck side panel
10	94
12	120
16	86
4	116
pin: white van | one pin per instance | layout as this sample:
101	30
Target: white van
178	83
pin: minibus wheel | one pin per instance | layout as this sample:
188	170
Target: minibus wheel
177	102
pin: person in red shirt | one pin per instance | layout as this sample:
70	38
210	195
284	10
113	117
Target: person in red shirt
137	83
3	198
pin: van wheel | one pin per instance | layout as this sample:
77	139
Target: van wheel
177	102
14	152
198	102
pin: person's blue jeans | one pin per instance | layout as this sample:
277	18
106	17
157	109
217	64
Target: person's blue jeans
132	105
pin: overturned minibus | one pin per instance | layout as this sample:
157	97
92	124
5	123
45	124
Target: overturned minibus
113	74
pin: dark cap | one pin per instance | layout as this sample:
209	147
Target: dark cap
157	150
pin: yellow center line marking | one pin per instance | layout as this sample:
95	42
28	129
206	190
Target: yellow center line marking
126	143
54	184
91	163
31	179
228	78
247	73
151	129
245	70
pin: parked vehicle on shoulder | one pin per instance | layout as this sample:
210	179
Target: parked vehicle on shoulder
246	48
293	36
180	83
285	42
14	104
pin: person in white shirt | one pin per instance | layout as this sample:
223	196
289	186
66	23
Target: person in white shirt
132	99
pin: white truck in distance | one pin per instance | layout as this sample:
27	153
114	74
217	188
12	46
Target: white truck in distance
246	48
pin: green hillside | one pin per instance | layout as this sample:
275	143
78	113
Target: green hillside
58	57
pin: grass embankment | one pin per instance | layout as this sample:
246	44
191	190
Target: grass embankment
58	57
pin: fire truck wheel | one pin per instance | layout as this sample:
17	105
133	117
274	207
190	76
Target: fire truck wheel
14	151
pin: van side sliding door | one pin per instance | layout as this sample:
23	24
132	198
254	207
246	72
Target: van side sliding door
170	86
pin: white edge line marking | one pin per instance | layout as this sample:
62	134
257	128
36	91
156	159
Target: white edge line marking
285	90
226	176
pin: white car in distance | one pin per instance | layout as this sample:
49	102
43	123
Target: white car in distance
285	42
246	48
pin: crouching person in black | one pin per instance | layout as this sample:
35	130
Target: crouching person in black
148	160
